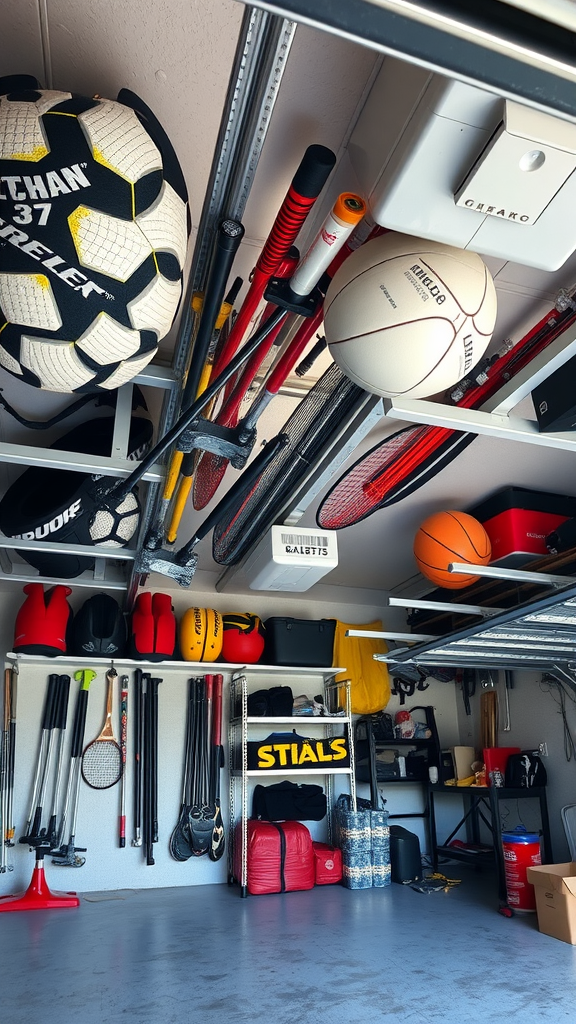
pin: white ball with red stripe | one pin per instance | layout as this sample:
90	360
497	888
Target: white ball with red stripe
407	316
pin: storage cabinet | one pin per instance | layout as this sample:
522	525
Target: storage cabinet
368	746
244	728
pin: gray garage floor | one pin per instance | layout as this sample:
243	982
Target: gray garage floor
328	956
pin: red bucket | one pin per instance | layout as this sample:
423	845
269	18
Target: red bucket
521	850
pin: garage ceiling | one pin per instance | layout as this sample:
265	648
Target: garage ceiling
178	57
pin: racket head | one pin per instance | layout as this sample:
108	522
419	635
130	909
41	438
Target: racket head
102	764
207	478
358	493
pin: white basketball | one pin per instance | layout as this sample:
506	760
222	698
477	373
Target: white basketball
407	316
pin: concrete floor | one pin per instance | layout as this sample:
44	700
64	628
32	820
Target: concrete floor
202	954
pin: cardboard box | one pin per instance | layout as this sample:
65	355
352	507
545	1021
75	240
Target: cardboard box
555	889
462	758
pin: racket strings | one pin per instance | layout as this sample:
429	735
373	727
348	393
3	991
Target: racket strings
401	463
102	764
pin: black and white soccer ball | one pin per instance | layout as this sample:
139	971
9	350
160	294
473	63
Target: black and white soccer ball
116	526
94	226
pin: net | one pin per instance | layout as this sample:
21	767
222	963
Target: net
331	402
102	764
390	471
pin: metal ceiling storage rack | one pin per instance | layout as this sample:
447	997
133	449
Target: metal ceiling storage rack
509	51
537	634
263	46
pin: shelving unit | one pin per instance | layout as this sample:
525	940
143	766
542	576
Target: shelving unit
483	804
432	748
241	723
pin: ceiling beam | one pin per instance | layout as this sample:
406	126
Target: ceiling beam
486	43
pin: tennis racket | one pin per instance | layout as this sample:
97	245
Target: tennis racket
102	758
407	459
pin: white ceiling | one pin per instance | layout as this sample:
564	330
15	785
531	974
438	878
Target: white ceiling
178	56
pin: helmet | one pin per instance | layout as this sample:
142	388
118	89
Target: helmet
153	635
99	628
243	638
42	621
201	634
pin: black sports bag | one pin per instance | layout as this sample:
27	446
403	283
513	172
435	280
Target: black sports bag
277	701
287	801
524	770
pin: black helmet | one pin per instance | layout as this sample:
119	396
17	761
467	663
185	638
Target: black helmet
99	628
49	503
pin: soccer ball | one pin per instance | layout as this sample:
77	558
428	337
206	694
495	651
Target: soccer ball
406	316
117	526
94	226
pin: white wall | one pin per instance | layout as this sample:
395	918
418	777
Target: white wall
535	718
109	867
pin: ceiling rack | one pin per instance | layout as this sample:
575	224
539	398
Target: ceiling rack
489	43
539	634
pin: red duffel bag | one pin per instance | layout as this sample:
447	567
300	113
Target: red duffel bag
280	856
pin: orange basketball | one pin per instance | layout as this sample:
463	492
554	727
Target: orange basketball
450	537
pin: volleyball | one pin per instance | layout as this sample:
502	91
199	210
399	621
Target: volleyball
447	537
93	235
410	317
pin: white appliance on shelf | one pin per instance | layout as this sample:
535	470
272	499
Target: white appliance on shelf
291	558
445	160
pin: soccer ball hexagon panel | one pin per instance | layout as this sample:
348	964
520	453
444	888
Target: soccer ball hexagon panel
94	227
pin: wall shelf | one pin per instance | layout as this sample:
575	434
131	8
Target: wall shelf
203	667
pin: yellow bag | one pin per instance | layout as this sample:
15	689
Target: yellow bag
369	681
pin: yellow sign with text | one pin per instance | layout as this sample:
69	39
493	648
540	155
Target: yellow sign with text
306	754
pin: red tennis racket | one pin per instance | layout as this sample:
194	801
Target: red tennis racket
403	462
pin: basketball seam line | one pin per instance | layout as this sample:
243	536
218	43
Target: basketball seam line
436	541
361	274
462	527
448	288
398	394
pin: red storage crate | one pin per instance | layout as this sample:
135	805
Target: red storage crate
518	520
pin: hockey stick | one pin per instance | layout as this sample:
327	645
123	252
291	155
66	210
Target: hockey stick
4	740
180	839
123	738
213	313
403	462
306	185
329	407
218	839
137	840
9	752
34	821
188	463
62	713
67	854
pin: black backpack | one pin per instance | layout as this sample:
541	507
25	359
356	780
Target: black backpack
524	770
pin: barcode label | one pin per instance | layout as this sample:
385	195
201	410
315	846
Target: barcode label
308	539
